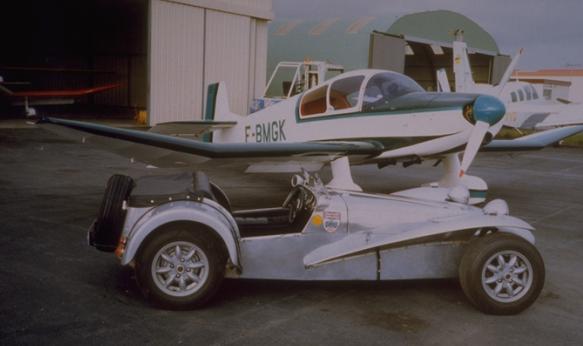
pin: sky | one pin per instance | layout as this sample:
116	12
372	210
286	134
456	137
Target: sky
550	31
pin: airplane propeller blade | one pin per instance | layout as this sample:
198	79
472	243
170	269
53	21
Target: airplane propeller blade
474	144
487	112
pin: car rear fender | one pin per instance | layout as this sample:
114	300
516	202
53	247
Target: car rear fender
393	235
207	213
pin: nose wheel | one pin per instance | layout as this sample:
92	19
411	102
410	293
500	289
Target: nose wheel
476	185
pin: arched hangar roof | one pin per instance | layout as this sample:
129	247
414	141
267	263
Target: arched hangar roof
346	41
440	26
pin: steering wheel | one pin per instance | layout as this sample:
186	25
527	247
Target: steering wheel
295	203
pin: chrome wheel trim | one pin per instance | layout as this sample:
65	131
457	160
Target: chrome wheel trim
507	276
180	269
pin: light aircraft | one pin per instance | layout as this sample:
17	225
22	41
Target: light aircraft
48	96
359	117
525	109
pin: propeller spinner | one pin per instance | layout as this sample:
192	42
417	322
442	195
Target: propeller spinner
485	112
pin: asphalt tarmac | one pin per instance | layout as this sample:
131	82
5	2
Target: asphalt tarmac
54	289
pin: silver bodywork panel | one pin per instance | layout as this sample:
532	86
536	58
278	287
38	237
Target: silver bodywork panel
348	236
142	222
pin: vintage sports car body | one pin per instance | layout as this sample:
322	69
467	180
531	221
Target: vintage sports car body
183	238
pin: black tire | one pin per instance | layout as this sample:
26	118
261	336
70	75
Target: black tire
473	267
149	259
110	219
221	196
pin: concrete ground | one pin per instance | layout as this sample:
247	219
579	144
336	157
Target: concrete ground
54	289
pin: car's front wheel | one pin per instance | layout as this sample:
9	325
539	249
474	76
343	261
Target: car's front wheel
501	274
181	269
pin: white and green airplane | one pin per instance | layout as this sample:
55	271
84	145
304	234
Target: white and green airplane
359	117
525	108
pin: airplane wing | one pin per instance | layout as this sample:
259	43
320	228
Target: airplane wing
169	151
190	128
568	116
535	141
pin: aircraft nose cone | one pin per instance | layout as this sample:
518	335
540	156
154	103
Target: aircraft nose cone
488	109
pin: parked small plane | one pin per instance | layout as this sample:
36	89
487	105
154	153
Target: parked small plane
61	96
525	109
359	117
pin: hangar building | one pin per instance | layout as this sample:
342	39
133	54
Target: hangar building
563	83
164	52
415	44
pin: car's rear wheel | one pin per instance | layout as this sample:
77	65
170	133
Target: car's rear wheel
501	274
180	268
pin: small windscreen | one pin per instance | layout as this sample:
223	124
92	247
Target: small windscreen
520	94
281	83
344	92
386	86
534	93
527	92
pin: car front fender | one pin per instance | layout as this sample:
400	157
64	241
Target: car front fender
362	241
205	213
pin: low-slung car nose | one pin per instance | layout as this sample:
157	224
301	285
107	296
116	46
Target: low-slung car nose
488	109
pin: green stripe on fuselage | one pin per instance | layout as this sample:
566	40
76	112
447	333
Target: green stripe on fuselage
415	102
369	114
478	193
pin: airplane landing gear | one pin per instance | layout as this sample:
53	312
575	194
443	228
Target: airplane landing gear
341	175
477	186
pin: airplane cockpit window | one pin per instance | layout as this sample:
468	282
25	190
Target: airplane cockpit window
520	95
513	96
386	86
534	93
314	102
344	92
527	92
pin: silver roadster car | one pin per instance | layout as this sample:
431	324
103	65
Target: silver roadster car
182	238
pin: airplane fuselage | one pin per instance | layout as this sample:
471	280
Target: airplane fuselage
411	119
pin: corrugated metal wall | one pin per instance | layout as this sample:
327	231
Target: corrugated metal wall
176	61
227	55
261	34
192	46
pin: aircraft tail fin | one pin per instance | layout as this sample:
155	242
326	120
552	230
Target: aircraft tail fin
464	81
217	104
442	81
508	72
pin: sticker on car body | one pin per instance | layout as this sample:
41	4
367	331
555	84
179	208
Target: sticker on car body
331	221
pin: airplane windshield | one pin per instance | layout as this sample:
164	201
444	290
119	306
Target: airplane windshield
386	86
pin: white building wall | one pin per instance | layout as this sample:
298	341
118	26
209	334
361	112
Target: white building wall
176	62
197	42
227	56
261	34
576	90
575	93
572	93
